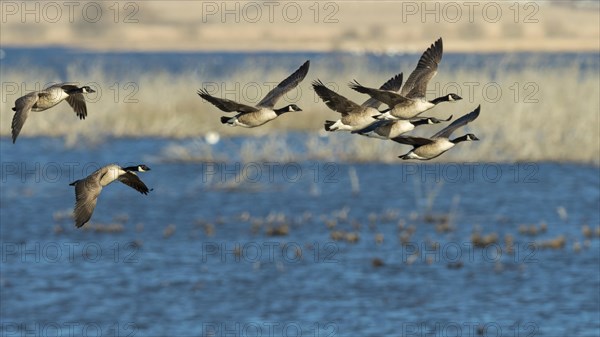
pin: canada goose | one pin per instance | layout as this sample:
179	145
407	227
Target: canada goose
88	189
47	98
428	148
253	116
411	101
354	116
387	129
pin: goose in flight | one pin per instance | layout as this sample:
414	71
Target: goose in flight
388	129
253	116
88	189
411	100
354	116
429	148
47	98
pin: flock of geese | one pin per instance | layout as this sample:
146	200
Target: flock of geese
401	116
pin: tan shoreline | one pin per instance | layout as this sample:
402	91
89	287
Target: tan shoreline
353	26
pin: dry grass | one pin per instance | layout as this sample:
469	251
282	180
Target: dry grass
559	122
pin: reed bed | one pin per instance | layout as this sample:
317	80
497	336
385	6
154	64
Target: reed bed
536	114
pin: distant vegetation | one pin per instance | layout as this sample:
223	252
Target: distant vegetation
529	115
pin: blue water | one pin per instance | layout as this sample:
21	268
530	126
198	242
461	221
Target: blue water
237	280
216	64
195	257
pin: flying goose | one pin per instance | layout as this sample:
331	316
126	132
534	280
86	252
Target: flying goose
88	189
411	101
387	129
428	148
354	116
47	98
263	112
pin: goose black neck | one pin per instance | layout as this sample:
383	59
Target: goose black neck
75	91
282	110
421	121
460	139
131	168
440	100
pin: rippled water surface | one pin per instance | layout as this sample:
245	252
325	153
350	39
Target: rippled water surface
199	254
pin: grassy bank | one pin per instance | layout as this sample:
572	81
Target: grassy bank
526	115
